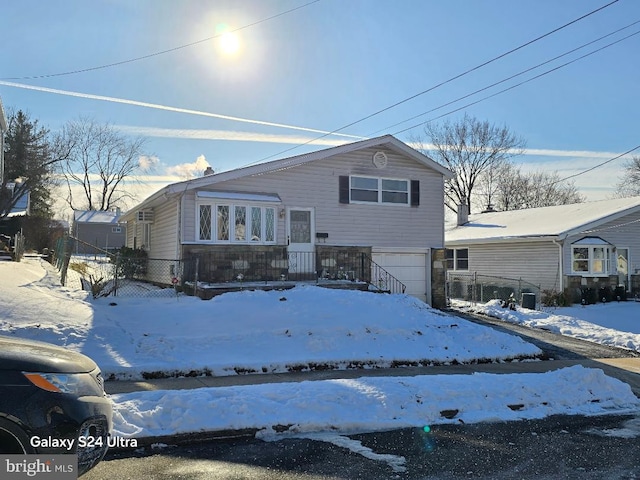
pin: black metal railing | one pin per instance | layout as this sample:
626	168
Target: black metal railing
122	273
384	281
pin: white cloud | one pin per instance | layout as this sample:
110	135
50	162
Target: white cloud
230	135
189	170
147	162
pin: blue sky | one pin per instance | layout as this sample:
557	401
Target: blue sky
321	65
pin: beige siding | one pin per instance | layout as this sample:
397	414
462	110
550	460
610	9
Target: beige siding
164	231
315	184
533	262
623	232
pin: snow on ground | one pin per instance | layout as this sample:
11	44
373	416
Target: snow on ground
294	329
616	324
244	332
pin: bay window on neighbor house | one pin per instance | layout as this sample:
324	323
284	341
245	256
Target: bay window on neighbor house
591	256
458	259
234	223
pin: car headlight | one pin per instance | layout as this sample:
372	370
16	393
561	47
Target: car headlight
79	384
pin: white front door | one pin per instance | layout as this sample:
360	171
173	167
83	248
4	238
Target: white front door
301	239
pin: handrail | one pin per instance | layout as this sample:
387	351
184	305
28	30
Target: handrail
382	280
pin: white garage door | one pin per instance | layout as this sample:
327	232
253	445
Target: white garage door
409	268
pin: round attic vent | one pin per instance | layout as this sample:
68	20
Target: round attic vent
380	159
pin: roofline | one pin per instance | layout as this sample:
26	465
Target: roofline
275	165
613	216
289	162
498	240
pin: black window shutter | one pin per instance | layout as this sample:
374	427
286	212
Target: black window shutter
343	186
415	193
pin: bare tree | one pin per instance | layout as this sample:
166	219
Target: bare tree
629	185
517	190
469	148
100	160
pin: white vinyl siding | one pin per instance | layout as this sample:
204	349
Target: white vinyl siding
533	262
316	185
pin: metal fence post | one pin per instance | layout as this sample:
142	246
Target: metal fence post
195	281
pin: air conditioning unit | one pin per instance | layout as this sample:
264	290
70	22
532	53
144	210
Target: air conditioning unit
144	216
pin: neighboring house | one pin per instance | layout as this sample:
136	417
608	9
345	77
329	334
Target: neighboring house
319	213
97	231
12	222
562	248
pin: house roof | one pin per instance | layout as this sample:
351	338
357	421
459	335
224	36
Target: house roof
95	216
21	208
387	141
538	223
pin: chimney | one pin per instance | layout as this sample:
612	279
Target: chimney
463	214
208	171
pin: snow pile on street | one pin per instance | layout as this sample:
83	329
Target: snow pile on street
615	324
372	403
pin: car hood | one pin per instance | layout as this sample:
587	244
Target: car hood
32	356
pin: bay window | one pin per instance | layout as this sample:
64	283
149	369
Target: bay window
591	256
233	223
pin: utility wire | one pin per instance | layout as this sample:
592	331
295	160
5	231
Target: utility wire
597	166
517	84
151	55
508	78
466	72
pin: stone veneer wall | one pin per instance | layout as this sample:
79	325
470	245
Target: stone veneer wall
438	278
223	263
343	263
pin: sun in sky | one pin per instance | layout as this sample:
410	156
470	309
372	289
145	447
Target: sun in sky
228	41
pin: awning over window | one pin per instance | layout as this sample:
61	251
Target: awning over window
591	241
245	196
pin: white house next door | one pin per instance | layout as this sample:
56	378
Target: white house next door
301	239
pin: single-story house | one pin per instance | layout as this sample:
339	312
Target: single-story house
566	248
97	231
324	214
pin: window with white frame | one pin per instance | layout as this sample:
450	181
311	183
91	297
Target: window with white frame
146	236
457	259
236	223
591	256
379	190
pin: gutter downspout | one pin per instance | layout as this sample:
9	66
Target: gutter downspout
560	263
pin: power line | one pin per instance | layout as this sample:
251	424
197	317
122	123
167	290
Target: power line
597	166
517	84
466	72
151	55
511	77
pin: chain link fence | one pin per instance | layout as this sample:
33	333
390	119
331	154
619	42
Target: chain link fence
121	273
475	288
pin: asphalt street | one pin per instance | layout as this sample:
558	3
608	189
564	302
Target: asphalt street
559	447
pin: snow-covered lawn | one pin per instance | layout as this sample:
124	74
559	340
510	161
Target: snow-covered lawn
307	327
245	332
616	324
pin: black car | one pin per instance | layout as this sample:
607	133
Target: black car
52	401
